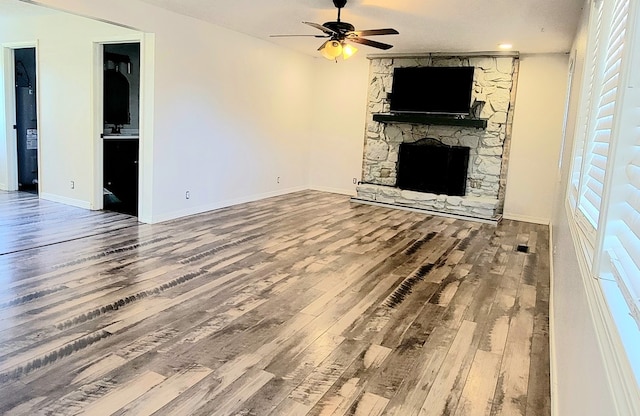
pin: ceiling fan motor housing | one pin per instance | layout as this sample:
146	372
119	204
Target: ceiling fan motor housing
341	33
340	3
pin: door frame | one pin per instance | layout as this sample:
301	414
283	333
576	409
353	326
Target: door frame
10	150
145	140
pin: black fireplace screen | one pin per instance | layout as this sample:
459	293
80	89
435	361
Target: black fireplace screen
430	166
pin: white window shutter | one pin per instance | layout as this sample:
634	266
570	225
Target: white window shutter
586	110
596	162
625	244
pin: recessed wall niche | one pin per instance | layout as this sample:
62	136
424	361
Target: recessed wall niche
492	99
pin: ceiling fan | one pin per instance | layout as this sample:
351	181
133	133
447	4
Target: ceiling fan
342	34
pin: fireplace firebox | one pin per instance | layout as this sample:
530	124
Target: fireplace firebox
433	167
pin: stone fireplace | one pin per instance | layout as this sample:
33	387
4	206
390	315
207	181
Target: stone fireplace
486	133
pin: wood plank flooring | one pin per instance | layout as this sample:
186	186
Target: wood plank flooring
304	304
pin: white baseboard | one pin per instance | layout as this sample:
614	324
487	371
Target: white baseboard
64	200
526	218
223	204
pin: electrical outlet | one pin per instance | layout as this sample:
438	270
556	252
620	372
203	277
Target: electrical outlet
278	179
187	195
73	184
355	181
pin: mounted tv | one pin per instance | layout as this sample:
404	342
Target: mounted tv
432	90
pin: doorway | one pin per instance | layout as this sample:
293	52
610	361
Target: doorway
26	119
121	124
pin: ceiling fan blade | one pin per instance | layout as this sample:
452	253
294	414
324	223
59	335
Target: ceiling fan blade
371	43
293	36
375	32
320	27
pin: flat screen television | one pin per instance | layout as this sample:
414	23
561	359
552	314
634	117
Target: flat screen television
432	90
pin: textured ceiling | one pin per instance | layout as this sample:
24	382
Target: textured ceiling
11	8
532	26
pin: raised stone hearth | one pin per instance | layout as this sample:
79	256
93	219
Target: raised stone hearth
466	206
493	99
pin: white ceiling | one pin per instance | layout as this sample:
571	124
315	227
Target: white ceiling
11	8
532	26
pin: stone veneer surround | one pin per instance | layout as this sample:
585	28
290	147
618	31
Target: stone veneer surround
493	98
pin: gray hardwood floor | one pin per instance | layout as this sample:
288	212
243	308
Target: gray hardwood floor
304	304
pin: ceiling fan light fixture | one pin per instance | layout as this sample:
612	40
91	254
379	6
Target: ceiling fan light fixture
331	49
339	33
348	50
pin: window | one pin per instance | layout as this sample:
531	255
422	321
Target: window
622	237
604	193
586	109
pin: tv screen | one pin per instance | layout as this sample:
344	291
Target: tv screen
434	90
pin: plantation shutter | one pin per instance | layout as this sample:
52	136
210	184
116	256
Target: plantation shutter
587	110
592	190
626	232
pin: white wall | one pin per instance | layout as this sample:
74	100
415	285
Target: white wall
65	121
579	369
536	138
231	113
338	125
